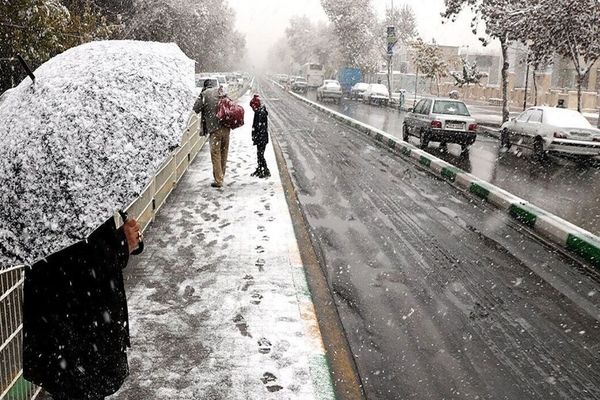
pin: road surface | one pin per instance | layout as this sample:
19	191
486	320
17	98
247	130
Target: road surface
441	296
564	188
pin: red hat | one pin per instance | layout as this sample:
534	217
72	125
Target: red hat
255	102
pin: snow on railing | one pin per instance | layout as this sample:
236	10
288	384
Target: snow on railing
12	384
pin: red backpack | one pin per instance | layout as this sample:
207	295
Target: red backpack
229	113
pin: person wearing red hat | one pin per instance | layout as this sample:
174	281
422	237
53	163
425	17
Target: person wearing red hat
260	136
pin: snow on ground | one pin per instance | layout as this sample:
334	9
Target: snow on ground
218	302
85	139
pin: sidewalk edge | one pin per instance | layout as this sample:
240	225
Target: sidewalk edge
342	370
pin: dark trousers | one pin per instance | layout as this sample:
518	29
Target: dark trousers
262	163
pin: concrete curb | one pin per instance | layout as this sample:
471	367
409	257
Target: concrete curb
568	236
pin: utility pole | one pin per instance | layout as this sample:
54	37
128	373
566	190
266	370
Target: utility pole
391	42
526	83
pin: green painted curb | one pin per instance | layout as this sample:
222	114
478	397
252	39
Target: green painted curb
321	377
19	389
450	173
585	249
425	161
522	215
479	191
406	151
391	143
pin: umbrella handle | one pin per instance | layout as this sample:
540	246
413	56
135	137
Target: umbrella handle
140	247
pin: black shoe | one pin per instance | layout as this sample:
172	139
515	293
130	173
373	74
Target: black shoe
266	174
216	185
255	173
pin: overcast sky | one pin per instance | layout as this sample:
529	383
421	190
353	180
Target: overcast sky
264	21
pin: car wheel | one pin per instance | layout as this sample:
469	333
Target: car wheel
538	149
405	135
505	139
424	139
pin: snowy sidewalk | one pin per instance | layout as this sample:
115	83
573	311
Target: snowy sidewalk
218	303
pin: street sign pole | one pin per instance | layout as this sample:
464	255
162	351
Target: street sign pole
391	42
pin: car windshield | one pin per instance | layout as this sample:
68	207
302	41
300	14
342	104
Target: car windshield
221	80
448	107
361	86
331	83
566	118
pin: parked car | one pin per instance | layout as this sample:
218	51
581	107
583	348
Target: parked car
376	93
440	120
222	82
300	85
331	89
200	81
283	78
357	90
552	130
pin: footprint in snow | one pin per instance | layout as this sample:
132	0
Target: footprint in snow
261	228
260	263
264	346
248	281
270	381
256	298
241	324
260	249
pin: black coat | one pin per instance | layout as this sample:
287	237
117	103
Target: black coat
75	322
260	127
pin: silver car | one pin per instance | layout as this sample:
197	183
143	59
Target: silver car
331	89
440	120
552	130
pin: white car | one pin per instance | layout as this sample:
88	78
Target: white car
376	93
440	120
357	90
331	89
222	82
552	130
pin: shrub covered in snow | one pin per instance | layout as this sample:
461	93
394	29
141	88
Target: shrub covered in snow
85	139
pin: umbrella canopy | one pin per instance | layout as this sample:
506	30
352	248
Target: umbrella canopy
85	139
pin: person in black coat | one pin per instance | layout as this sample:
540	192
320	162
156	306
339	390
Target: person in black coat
260	136
75	320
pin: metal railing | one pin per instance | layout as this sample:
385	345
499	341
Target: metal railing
12	384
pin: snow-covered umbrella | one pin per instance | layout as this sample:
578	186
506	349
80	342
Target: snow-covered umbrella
84	139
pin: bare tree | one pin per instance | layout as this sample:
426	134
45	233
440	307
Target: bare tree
355	25
503	21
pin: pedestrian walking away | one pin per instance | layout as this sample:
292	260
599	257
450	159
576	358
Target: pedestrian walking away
260	136
207	104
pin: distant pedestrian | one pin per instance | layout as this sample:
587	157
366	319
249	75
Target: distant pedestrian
561	103
207	104
260	136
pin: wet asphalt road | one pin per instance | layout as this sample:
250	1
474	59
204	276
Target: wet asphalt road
565	188
441	296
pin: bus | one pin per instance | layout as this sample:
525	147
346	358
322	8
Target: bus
314	74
